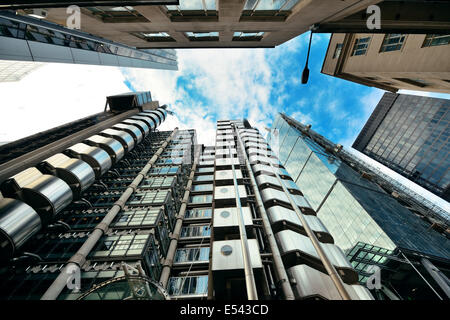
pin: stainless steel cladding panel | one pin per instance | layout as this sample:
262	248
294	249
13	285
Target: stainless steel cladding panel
255	159
140	124
47	194
150	123
75	172
226	161
227	174
228	217
96	157
164	112
265	152
278	215
274	194
227	255
291	242
135	132
149	117
228	192
268	169
160	113
225	153
153	116
122	136
114	148
225	144
18	223
311	283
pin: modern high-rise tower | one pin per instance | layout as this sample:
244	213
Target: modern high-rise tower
374	219
23	38
110	208
410	135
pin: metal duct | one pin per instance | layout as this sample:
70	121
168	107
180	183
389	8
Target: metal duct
114	148
133	130
75	172
47	194
18	223
96	157
145	129
298	249
309	283
125	138
281	217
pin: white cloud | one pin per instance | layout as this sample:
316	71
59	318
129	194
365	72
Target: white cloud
217	93
53	95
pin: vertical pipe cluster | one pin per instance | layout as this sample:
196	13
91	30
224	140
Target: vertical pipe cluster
317	267
34	197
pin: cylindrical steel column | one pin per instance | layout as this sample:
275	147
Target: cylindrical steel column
168	261
280	271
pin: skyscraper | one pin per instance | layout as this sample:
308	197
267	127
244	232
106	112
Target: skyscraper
109	208
23	38
391	61
410	135
238	23
365	219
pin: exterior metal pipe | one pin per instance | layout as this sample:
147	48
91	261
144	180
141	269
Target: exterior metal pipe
248	269
423	278
280	271
168	262
79	258
331	270
437	275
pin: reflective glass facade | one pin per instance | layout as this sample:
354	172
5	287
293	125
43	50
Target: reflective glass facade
352	208
410	135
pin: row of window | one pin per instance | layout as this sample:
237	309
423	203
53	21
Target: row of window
199	36
391	42
207	9
19	30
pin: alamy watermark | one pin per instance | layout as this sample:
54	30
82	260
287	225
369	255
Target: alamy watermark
374	20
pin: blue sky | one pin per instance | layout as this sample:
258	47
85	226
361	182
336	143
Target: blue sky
258	83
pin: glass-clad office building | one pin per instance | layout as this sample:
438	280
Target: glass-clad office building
409	134
354	209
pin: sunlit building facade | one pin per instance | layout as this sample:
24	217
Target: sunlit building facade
116	209
360	215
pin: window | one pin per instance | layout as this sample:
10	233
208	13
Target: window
392	42
206	169
202	187
192	255
432	40
195	231
248	36
116	14
154	36
203	36
337	51
360	47
193	9
203	178
125	245
134	218
197	285
204	198
276	9
198	213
